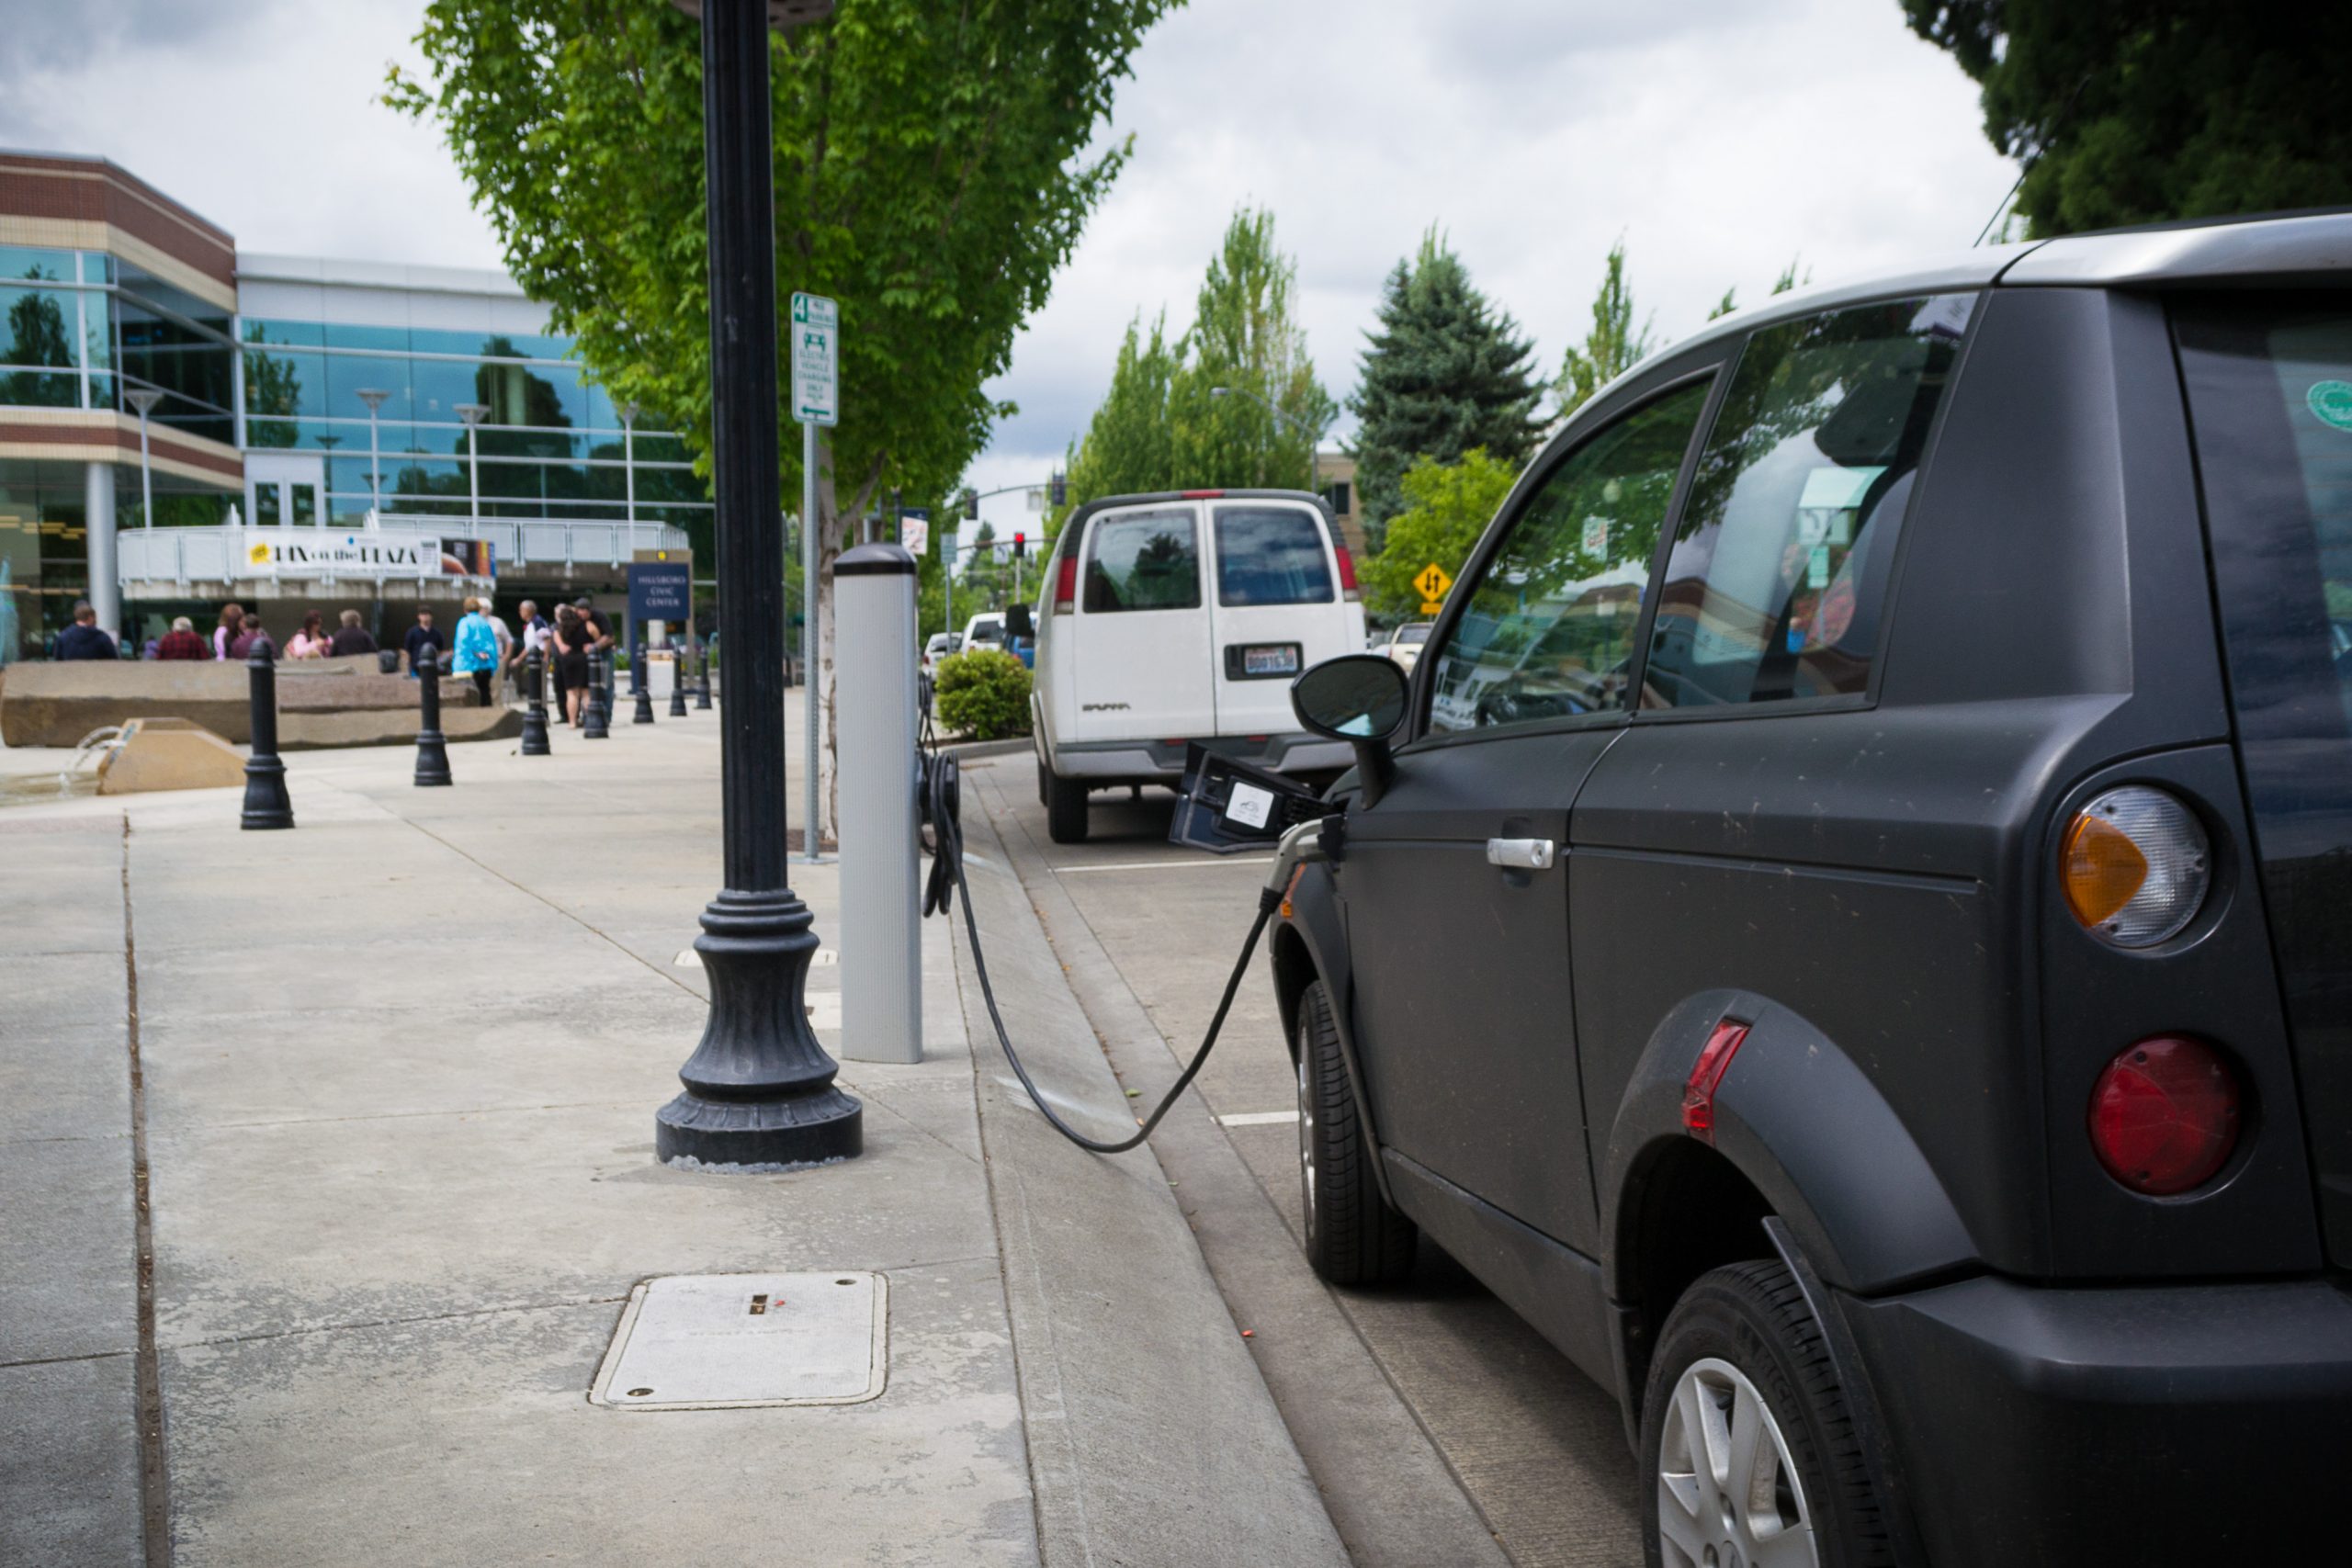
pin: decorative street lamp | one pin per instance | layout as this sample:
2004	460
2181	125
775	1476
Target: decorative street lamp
629	463
759	1088
373	397
144	399
1313	435
473	414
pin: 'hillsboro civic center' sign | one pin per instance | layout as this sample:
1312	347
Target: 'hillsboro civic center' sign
302	552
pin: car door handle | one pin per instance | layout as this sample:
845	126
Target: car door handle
1520	854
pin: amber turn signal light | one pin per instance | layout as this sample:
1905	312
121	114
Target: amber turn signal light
2134	867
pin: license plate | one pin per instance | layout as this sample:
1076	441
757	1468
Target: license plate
1280	659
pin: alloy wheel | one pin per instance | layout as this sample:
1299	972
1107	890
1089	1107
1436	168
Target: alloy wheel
1728	1494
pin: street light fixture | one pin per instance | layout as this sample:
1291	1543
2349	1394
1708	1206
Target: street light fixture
1313	435
144	399
373	397
759	1088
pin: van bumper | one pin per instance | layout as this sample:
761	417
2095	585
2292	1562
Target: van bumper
2148	1425
1123	762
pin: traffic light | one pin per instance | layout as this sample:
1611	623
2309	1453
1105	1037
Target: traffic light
1059	487
971	506
1019	546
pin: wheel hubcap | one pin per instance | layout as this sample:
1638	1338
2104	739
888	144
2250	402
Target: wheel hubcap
1305	1142
1728	1494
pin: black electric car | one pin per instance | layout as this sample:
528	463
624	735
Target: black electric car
1849	927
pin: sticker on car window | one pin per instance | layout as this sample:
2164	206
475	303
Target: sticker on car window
2331	403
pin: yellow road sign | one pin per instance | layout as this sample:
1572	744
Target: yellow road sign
1433	582
1431	606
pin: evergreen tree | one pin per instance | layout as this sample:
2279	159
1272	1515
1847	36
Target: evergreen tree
1444	373
1612	347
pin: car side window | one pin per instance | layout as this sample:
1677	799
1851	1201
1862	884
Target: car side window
1780	563
1548	628
1143	560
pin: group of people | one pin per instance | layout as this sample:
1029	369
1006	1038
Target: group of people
485	647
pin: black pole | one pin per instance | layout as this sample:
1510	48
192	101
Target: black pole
702	687
267	805
595	710
640	688
678	681
432	753
759	1088
535	717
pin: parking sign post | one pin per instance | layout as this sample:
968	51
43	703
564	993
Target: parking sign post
816	400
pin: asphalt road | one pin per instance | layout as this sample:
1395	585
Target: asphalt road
1536	1446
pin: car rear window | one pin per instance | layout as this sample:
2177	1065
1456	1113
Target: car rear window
1143	560
1271	555
1782	560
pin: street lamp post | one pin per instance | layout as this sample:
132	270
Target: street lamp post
1313	435
628	465
759	1088
144	399
473	414
373	397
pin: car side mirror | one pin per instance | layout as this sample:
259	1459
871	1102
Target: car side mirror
1359	698
1018	622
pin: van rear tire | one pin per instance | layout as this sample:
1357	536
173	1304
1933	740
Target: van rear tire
1064	807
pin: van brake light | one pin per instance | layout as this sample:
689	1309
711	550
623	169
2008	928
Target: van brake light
1346	575
1066	585
1202	495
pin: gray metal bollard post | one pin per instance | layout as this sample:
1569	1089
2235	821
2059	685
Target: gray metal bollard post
432	751
881	898
267	805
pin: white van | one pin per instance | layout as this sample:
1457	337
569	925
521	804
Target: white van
1182	617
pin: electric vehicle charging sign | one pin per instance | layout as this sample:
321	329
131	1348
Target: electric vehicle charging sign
816	359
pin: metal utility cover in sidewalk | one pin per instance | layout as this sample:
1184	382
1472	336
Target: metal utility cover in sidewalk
724	1341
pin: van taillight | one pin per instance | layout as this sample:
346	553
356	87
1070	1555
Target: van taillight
2164	1116
1066	585
1346	575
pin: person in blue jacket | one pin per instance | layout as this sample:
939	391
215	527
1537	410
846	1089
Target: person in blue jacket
477	651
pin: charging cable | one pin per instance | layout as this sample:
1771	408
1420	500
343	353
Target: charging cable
943	809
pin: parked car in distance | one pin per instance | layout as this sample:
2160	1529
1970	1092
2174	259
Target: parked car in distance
987	628
1180	616
1852	935
1404	644
940	646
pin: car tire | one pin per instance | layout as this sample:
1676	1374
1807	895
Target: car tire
1064	807
1740	1342
1352	1236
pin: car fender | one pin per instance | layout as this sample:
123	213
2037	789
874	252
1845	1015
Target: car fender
1310	944
1802	1122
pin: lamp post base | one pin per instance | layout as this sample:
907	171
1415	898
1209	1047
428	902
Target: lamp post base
759	1088
266	804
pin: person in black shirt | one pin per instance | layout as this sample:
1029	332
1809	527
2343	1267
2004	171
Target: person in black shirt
84	638
422	635
350	637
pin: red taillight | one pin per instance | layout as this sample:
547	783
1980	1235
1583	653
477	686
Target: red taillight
1347	574
1202	495
1066	585
2164	1116
1706	1074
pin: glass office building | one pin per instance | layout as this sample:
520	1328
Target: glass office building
287	393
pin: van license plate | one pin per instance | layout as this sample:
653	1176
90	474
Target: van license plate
1275	659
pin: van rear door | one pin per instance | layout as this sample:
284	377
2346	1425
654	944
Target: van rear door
1279	610
1141	656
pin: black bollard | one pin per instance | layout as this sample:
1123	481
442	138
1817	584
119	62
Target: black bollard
535	716
597	725
678	681
267	805
701	688
641	688
432	751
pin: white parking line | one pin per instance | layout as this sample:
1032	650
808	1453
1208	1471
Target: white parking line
1260	1118
1165	864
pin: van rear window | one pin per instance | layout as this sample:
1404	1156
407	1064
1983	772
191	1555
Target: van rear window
1143	560
1271	555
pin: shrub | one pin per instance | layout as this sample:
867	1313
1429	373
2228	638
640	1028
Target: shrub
983	693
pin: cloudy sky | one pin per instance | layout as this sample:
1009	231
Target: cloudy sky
1719	137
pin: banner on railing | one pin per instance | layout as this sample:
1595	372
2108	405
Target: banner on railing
302	552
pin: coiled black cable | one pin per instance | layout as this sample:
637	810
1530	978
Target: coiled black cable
942	807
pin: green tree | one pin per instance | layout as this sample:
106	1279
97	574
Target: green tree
932	166
1781	284
37	336
2135	111
1128	445
1244	338
1613	346
1444	372
1447	507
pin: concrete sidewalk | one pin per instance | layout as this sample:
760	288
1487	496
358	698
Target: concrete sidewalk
326	1164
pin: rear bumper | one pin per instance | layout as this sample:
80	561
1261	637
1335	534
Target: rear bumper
1122	762
2148	1425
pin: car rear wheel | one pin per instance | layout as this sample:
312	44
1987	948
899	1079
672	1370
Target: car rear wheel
1354	1237
1064	807
1751	1455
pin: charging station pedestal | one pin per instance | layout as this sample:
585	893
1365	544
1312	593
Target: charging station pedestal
873	670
